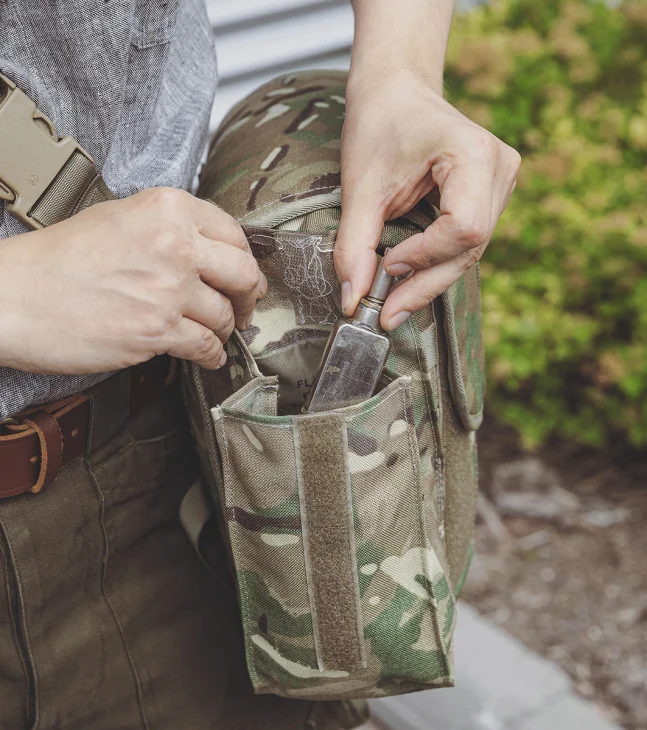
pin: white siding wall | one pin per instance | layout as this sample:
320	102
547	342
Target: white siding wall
259	39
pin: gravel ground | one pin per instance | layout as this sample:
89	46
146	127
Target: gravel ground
561	563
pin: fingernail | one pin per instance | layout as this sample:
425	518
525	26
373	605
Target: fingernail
397	320
263	286
223	359
397	269
346	295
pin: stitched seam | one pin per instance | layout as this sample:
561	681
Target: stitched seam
328	189
305	531
254	391
84	530
250	419
412	445
107	598
243	590
402	385
440	456
432	605
352	540
430	409
246	418
434	418
278	234
20	650
22	620
89	447
455	372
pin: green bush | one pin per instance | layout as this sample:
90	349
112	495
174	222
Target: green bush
565	277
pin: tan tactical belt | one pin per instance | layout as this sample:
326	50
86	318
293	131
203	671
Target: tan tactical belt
43	180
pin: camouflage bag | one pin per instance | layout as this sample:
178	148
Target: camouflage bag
349	531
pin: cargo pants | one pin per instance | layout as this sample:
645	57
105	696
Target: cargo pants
108	620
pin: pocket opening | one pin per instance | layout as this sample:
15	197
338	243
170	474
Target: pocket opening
154	23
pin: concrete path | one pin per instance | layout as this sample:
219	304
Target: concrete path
500	685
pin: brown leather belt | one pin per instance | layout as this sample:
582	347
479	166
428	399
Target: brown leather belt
37	443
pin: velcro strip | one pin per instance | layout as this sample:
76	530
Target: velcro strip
329	540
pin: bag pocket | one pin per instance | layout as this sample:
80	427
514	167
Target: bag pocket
154	22
341	593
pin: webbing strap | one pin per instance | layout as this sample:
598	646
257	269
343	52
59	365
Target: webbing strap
77	186
43	179
321	447
195	511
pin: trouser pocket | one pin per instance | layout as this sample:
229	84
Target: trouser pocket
17	696
341	592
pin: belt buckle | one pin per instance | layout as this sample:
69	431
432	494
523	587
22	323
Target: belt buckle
31	153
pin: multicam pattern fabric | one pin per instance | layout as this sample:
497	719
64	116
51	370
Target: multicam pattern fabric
407	607
278	147
463	317
275	164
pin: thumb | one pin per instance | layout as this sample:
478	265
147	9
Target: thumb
359	233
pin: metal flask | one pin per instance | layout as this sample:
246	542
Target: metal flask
355	354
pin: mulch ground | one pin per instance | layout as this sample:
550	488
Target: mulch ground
561	562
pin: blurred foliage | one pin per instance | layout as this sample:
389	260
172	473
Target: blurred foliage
565	277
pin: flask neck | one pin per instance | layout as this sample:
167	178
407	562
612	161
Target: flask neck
370	307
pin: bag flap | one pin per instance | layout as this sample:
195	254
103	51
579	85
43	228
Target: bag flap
279	149
462	313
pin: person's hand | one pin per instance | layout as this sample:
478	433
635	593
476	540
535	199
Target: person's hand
402	141
123	281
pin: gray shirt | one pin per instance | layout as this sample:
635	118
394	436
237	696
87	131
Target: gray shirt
133	81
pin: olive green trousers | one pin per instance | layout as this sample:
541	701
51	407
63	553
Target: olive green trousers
108	620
